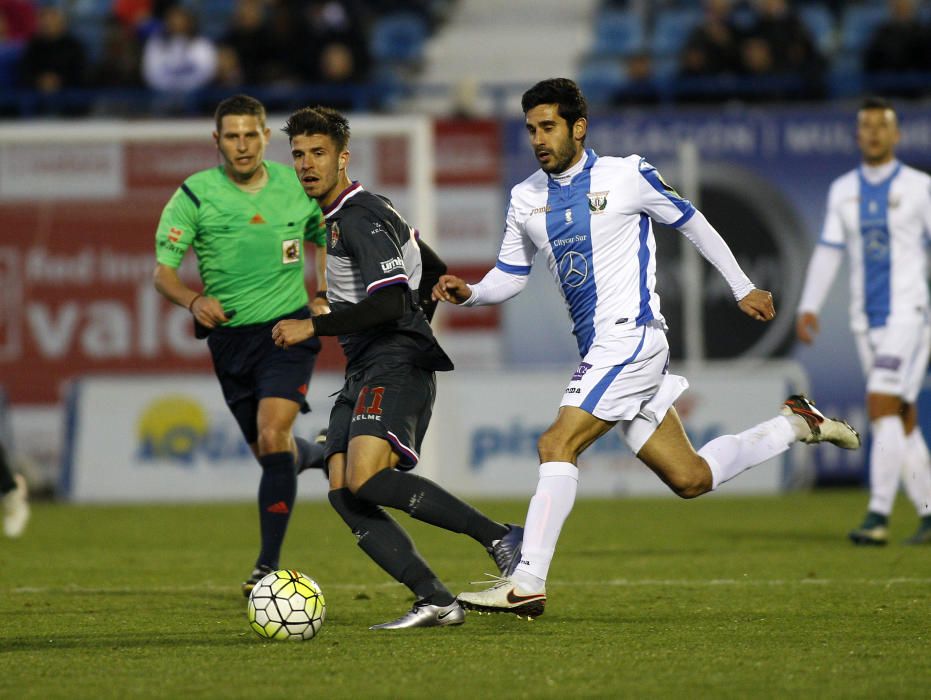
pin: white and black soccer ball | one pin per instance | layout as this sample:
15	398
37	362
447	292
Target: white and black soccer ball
286	604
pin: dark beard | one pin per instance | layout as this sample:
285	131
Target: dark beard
562	159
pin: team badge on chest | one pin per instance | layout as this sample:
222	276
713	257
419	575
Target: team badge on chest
597	201
334	234
291	251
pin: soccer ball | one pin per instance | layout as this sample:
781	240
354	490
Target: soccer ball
286	605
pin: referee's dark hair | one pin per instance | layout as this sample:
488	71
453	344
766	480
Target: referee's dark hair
875	102
239	105
319	120
563	93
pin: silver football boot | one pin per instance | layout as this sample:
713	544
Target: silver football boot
426	615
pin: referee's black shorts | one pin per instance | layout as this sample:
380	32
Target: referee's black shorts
251	367
391	400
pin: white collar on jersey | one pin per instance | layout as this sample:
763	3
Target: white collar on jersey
874	174
565	177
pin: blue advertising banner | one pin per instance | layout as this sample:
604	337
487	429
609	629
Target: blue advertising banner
764	176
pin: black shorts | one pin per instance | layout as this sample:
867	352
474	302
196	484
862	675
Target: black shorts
391	401
251	367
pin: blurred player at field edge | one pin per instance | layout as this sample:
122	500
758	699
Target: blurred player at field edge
248	220
380	276
590	217
880	213
14	494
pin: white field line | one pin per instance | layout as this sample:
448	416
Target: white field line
610	583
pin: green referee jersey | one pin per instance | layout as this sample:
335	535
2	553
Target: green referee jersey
250	247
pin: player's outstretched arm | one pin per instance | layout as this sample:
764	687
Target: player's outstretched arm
758	304
807	327
292	331
451	289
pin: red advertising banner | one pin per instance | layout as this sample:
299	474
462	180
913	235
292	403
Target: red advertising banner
77	252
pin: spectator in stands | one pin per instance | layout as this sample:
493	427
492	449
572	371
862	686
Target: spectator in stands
640	87
230	72
325	23
18	18
250	37
54	59
143	17
712	48
177	59
118	65
899	45
779	46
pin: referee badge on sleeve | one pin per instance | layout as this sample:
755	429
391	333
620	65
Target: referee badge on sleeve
291	251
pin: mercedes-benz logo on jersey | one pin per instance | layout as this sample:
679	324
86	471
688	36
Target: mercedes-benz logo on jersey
876	244
573	269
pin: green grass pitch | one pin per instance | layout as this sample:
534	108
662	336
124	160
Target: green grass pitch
722	597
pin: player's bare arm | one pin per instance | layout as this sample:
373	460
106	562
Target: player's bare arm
451	289
758	304
807	327
292	331
206	310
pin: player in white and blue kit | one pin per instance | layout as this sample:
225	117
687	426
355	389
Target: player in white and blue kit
590	217
880	213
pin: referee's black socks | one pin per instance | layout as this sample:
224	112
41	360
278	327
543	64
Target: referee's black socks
277	491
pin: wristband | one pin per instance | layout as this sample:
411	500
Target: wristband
190	307
321	294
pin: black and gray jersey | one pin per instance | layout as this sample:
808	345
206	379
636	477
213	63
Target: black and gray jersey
369	247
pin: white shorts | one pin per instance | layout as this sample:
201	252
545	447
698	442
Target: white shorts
624	379
894	359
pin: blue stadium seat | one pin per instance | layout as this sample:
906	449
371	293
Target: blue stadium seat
618	33
672	29
858	24
10	54
820	22
600	77
399	38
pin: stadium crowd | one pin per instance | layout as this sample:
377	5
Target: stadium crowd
125	57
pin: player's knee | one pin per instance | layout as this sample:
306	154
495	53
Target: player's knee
274	440
553	447
691	484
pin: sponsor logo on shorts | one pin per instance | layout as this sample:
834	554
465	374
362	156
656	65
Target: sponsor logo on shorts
540	210
580	372
573	390
889	362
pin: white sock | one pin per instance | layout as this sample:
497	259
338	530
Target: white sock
917	476
730	455
549	508
886	459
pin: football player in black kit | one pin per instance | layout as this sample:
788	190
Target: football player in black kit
379	278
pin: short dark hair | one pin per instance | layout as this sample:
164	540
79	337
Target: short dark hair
319	120
239	105
875	102
564	93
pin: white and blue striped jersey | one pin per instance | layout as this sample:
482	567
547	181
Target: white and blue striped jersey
882	217
592	223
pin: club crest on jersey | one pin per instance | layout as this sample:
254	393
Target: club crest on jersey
568	216
597	201
334	234
291	251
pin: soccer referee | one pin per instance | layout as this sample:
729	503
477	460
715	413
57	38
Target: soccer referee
248	220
